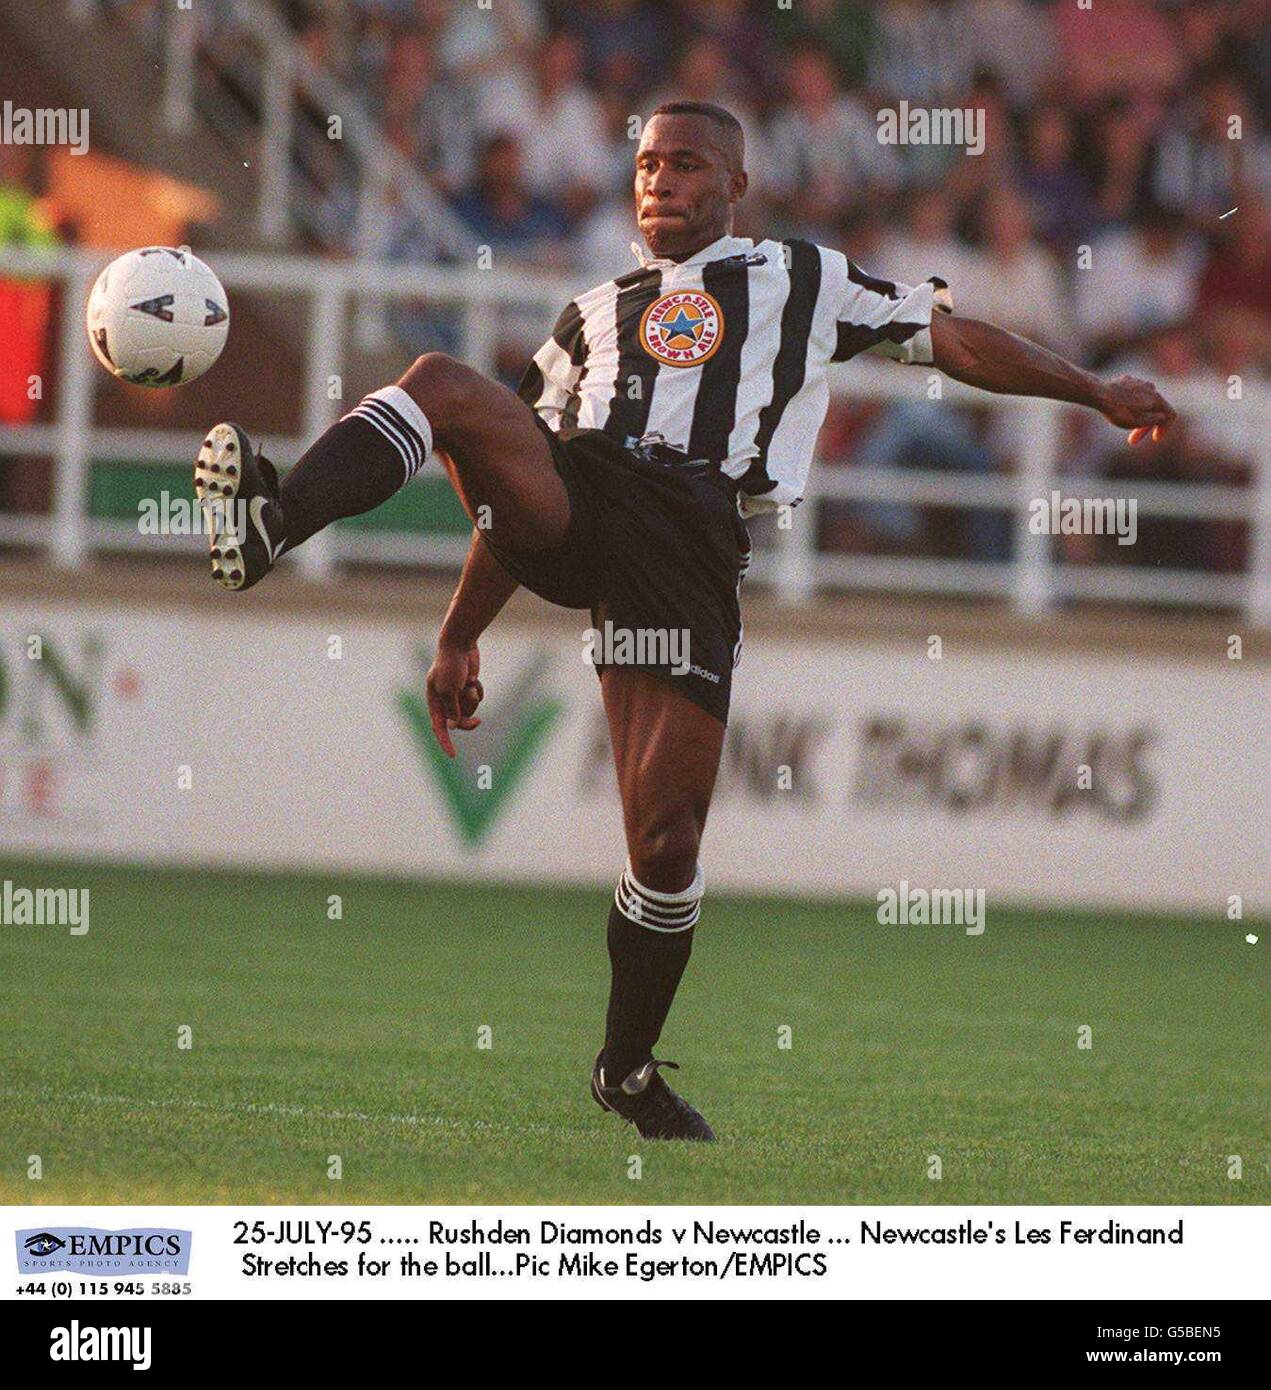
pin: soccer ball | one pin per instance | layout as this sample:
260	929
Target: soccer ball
157	317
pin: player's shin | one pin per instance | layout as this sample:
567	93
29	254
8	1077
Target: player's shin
650	938
361	461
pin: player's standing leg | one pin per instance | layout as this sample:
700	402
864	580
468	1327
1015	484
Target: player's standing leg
501	459
666	753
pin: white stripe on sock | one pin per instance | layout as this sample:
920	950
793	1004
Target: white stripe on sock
408	443
656	910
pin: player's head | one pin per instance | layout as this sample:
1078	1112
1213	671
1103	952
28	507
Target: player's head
690	174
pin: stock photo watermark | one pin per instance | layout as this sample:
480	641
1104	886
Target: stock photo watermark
904	906
642	646
44	907
1058	515
921	125
45	125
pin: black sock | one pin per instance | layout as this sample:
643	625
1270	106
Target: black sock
647	966
361	461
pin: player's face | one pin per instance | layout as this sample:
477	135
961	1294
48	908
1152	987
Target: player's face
684	189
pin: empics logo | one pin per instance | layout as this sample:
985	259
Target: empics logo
77	1343
84	1250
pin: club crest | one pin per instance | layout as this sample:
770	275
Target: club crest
682	329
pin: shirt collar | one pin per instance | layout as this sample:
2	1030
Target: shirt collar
716	251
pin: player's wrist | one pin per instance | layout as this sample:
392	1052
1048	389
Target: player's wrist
457	637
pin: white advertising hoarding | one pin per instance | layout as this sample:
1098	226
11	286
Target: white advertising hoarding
303	742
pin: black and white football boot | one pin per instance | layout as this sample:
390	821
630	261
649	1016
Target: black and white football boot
239	493
647	1102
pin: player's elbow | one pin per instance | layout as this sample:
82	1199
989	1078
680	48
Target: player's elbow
953	345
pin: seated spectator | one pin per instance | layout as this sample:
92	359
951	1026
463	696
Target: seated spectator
1016	39
923	53
824	150
426	115
1055	186
623	41
1139	278
1114	47
1012	282
1237	274
845	30
738	32
1118	158
504	214
570	163
925	243
1197	168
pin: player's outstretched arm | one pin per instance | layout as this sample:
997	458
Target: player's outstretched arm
454	690
991	358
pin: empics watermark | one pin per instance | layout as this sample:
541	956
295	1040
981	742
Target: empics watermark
904	906
44	907
921	125
45	125
1058	515
640	646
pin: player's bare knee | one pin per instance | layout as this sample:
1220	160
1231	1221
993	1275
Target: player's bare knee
440	386
664	854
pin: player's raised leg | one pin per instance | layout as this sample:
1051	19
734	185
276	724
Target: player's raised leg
666	752
501	461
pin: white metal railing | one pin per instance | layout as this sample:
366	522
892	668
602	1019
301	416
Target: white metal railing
287	74
793	565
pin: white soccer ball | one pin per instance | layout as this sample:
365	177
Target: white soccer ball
157	317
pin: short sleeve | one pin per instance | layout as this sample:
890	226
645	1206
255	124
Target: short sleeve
555	370
888	319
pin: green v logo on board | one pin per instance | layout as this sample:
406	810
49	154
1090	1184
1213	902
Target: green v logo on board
513	730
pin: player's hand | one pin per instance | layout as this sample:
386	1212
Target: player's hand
1136	406
454	692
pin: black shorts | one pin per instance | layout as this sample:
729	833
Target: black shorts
657	554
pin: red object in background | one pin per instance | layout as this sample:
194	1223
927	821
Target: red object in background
24	328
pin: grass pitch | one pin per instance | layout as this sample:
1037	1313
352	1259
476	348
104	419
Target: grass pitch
359	1037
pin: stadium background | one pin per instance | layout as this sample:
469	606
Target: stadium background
924	679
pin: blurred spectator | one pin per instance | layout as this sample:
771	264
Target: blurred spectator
1198	166
24	303
825	149
923	53
566	125
1011	281
425	114
845	30
1056	187
1118	158
1237	274
504	214
926	245
625	42
738	32
1138	280
1014	38
1115	47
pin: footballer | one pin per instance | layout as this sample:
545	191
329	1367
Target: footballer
667	407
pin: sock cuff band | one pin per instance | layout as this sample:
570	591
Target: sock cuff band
396	415
658	911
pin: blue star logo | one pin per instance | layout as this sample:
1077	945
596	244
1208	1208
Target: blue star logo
681	326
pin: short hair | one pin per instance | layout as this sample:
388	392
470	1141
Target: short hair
734	139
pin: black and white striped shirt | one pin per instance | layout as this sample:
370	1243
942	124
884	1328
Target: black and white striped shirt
724	355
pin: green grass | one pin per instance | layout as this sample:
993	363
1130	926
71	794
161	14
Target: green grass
358	1038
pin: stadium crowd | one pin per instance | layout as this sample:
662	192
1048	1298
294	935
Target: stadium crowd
1117	140
1129	128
